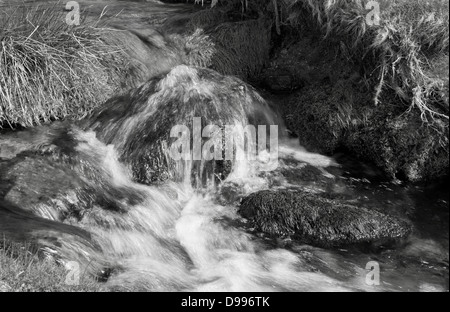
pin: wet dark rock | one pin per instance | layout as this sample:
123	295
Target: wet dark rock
301	63
139	123
320	115
335	110
327	118
57	191
43	187
403	147
43	173
305	173
320	221
281	80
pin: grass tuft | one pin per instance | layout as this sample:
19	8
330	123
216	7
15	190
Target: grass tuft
25	268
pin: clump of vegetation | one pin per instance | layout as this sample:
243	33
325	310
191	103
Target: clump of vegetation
405	53
199	47
24	268
51	70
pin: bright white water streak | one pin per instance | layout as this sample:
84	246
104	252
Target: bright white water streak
183	243
180	240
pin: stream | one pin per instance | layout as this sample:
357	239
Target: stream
177	235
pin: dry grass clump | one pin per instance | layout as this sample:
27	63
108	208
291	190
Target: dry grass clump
200	49
51	70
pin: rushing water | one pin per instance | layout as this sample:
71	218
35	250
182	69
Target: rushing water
174	237
180	239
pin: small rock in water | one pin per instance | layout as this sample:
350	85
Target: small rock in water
320	221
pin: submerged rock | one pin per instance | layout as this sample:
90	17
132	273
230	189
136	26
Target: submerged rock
41	186
63	174
319	221
61	187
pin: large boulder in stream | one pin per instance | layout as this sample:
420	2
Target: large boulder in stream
320	221
139	123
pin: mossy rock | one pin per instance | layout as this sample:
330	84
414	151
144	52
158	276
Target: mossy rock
139	123
404	147
319	221
327	118
320	114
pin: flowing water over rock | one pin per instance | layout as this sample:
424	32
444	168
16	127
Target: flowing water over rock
105	193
